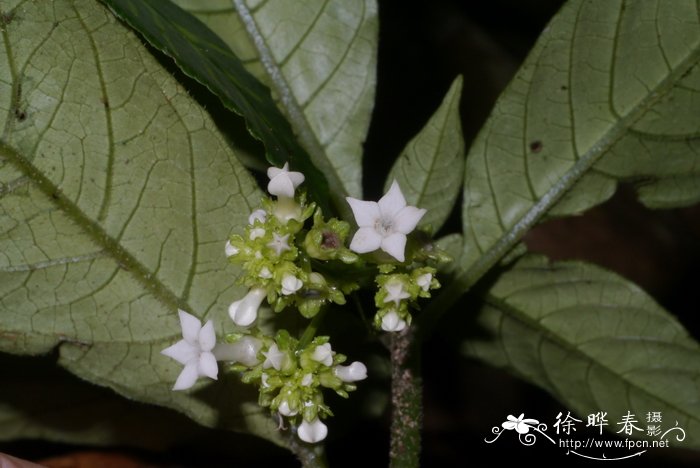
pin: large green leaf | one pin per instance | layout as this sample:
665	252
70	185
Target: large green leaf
610	92
116	196
203	56
594	340
430	168
319	57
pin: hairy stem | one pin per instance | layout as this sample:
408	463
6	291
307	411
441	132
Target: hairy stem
406	400
310	456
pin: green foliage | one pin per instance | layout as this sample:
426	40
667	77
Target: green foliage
117	192
430	168
592	339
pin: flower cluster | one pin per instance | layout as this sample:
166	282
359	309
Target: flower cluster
291	257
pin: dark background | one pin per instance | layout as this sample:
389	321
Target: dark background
423	46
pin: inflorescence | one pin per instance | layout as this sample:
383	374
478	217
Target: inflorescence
292	258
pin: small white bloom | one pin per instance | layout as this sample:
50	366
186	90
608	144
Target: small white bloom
244	312
323	354
230	249
395	292
392	322
285	410
244	350
352	373
384	224
265	273
424	281
255	233
257	215
283	182
291	284
274	358
279	243
194	351
263	379
312	432
307	380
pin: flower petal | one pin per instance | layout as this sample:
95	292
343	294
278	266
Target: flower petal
407	219
312	432
187	377
182	351
394	245
207	366
522	428
281	186
207	337
190	326
366	240
509	425
392	202
366	212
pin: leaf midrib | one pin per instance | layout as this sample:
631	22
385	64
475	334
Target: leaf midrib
467	278
296	116
123	258
546	334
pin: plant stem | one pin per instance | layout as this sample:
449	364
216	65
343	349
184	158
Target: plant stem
406	400
311	329
310	456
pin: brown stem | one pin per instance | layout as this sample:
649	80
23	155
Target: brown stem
406	400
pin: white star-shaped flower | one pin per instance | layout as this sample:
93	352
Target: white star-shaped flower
274	358
283	182
384	224
395	292
279	243
194	351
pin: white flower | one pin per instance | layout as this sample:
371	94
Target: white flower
291	284
265	273
384	224
424	281
257	215
395	292
230	249
521	425
392	322
323	354
312	432
244	350
352	373
194	351
307	380
244	312
279	243
283	182
285	410
274	358
255	233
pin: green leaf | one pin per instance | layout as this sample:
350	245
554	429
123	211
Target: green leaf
593	340
609	93
430	168
205	57
319	58
116	197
